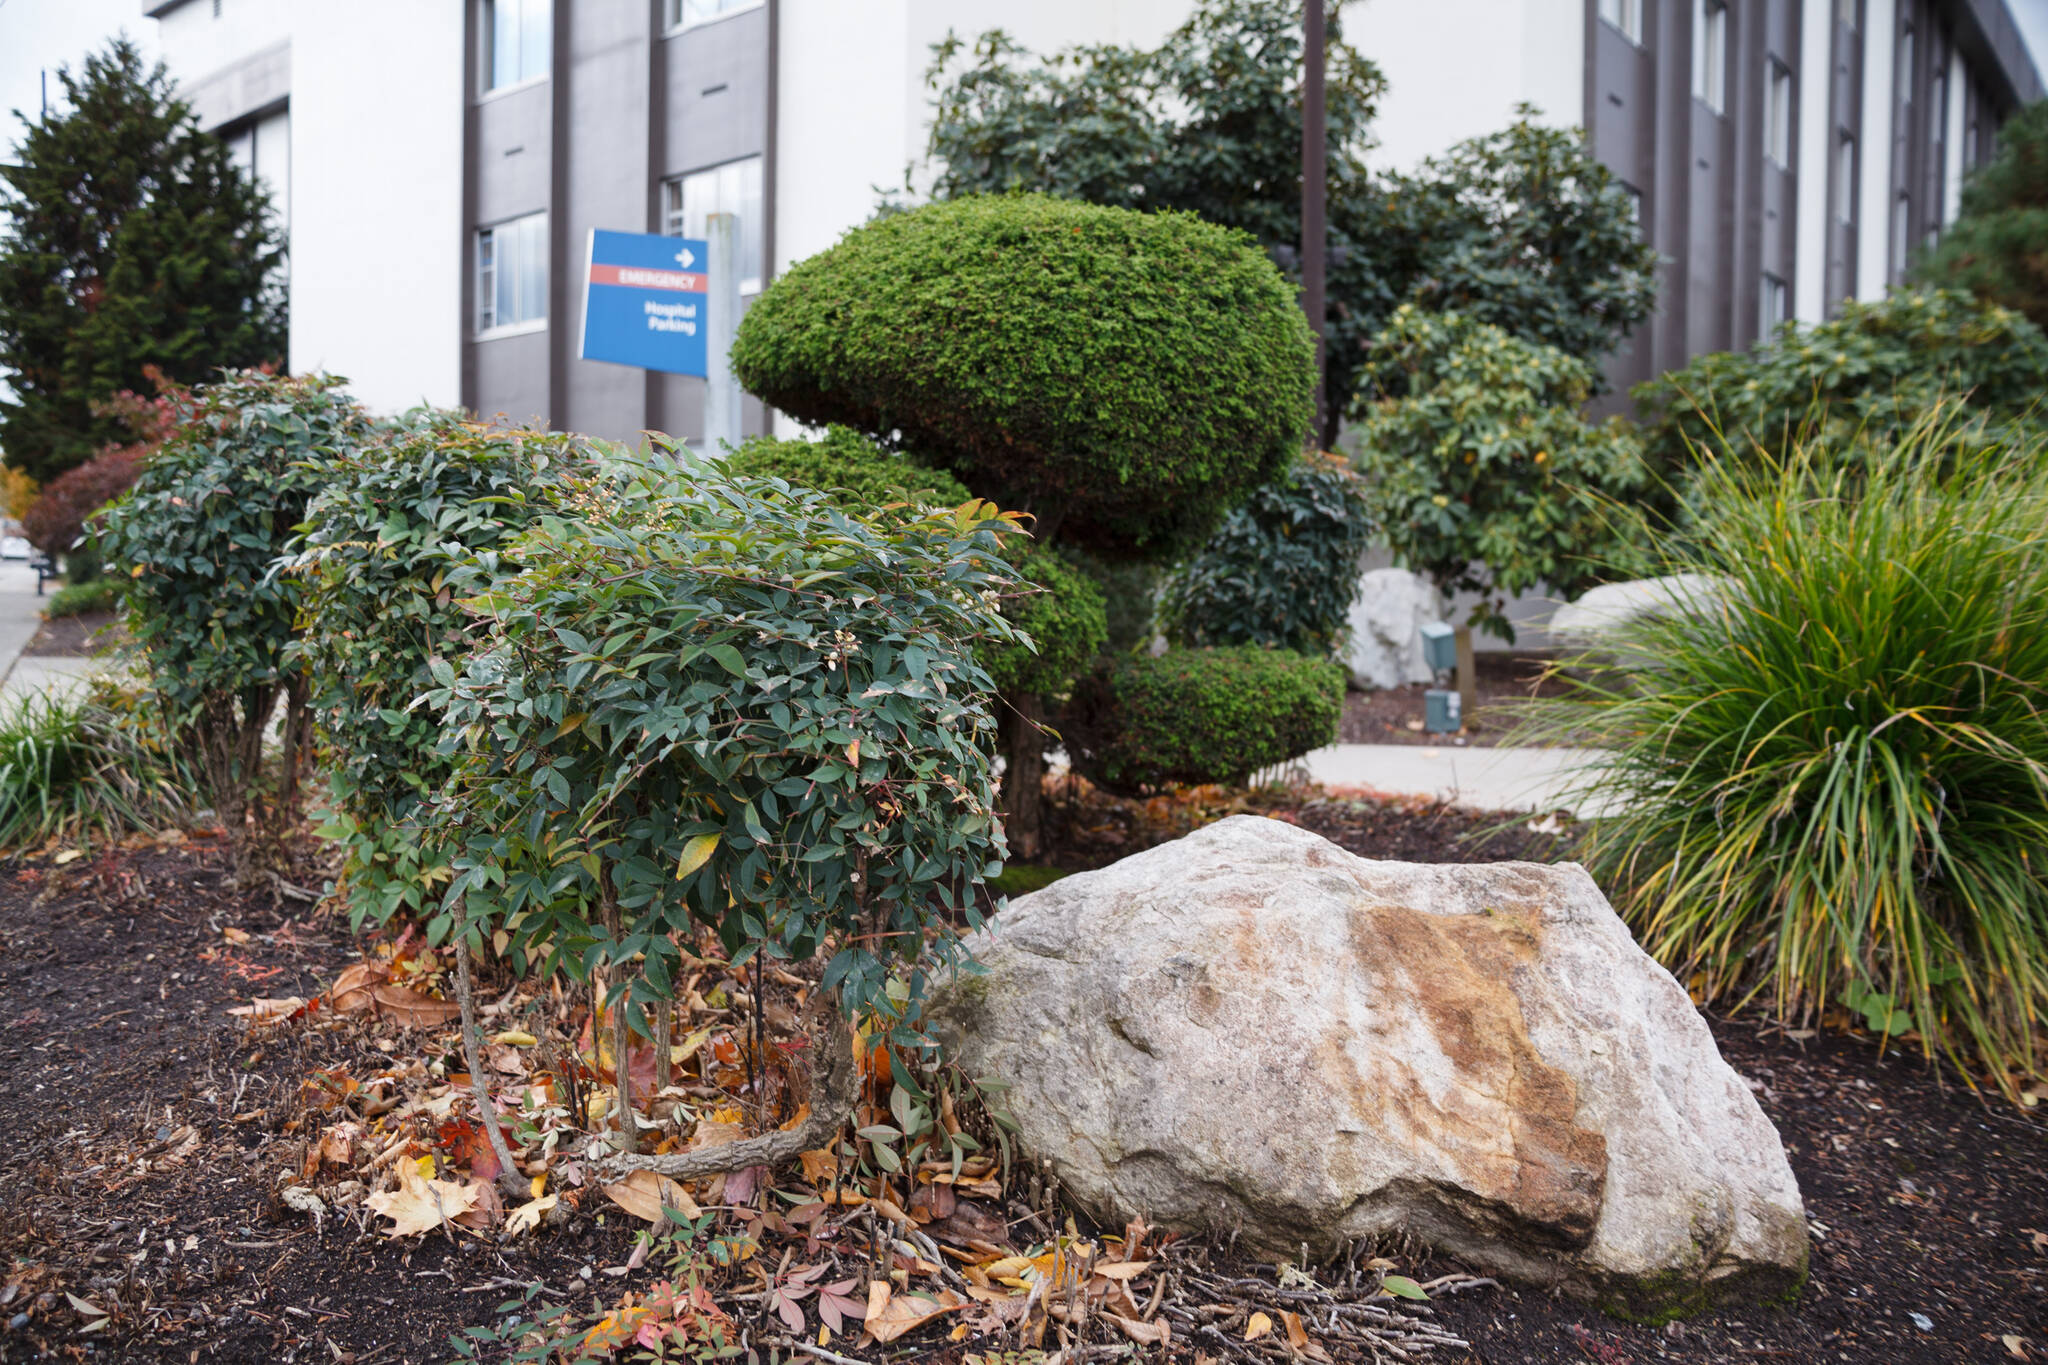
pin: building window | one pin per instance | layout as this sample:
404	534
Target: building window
683	13
517	41
1902	216
1771	306
1625	15
1845	180
1778	116
512	274
1710	53
688	201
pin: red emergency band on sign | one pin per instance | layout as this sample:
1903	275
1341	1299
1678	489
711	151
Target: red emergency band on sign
639	277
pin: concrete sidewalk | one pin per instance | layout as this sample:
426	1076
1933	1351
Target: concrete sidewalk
1516	779
21	615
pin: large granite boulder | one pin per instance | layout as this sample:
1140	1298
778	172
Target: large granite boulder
1251	1029
1386	621
1590	620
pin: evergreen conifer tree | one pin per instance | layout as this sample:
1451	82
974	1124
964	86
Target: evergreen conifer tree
131	238
1998	248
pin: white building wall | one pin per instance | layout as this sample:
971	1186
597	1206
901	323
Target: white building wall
1456	69
377	198
1874	152
1957	85
1815	162
195	44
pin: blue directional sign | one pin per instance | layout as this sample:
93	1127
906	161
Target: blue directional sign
644	301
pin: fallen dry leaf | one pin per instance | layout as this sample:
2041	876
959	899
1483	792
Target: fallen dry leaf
643	1193
1122	1270
337	1144
421	1205
352	989
412	1009
527	1216
1144	1333
906	1312
1257	1327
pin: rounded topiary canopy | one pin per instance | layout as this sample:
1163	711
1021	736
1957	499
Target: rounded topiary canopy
1126	377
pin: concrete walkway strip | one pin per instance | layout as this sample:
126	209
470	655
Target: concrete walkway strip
1497	778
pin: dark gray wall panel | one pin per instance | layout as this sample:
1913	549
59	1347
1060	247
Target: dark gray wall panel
717	78
513	150
511	377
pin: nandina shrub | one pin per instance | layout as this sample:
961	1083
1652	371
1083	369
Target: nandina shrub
1191	716
394	518
713	700
1829	778
193	546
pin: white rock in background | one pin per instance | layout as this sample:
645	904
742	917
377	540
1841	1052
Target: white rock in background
1251	1029
1584	622
1386	622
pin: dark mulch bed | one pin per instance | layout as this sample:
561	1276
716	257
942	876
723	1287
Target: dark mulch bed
145	1133
1395	715
93	632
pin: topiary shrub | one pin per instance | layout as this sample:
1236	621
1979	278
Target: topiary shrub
379	542
712	700
193	547
1481	473
1200	715
1282	570
1123	377
847	462
1874	371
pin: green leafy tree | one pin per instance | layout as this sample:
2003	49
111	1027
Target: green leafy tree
1873	372
1524	225
1124	378
1282	570
1998	247
1478	466
394	520
193	546
132	239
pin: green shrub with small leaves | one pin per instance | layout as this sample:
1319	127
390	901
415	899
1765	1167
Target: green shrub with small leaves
1200	715
375	560
1282	570
1478	468
1123	377
845	461
713	700
193	546
1873	373
83	599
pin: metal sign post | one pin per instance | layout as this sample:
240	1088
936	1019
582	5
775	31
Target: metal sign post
722	391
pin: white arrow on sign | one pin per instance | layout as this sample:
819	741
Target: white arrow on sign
685	258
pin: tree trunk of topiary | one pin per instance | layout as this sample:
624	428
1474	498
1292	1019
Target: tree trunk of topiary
1024	775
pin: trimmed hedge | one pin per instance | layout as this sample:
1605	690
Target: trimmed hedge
83	599
1125	377
846	461
1200	715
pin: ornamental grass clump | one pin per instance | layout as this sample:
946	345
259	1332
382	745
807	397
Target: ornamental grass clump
87	768
720	702
1831	777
